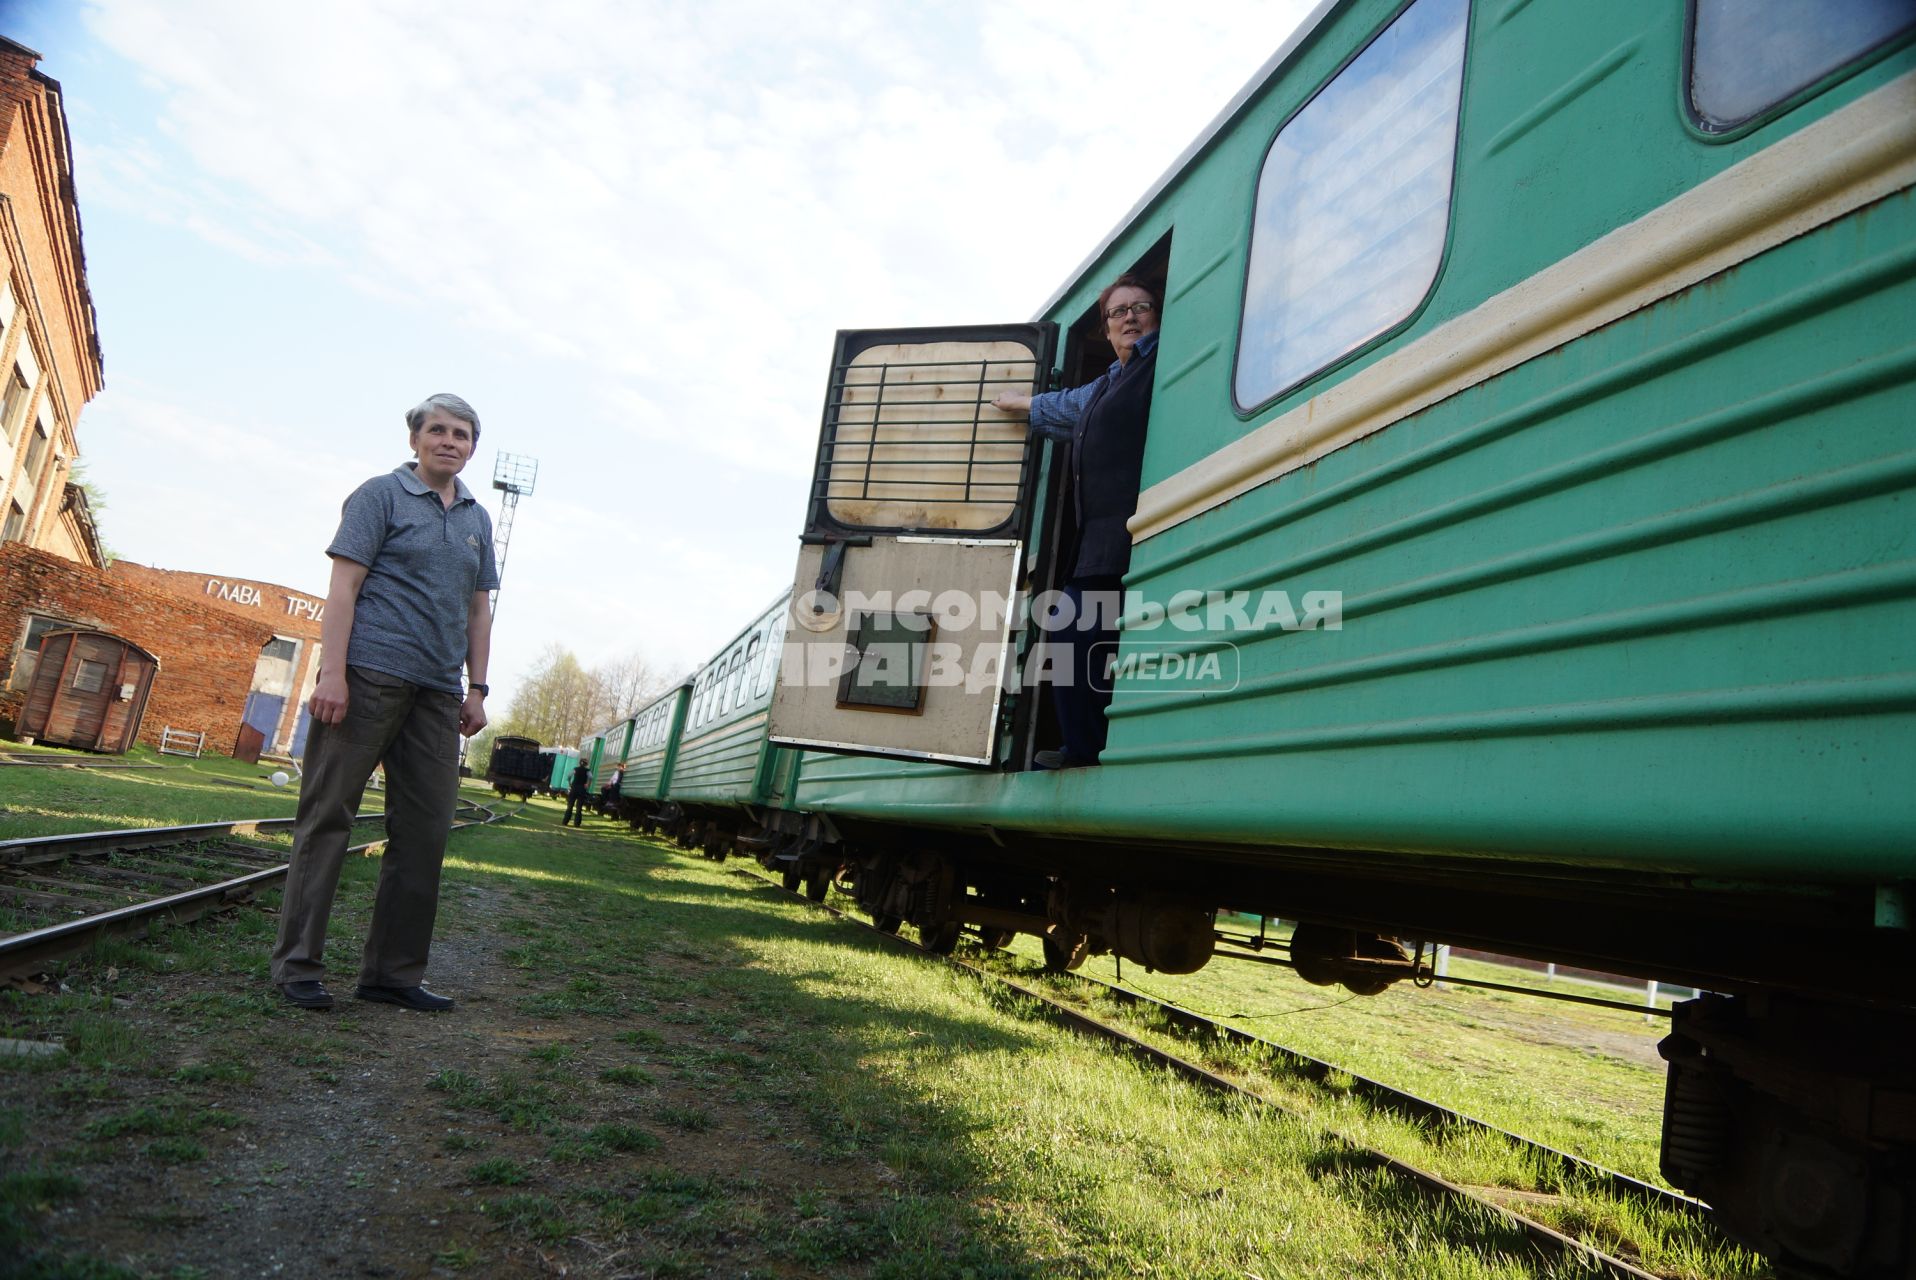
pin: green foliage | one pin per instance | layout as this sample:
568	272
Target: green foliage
498	1172
536	1217
627	1075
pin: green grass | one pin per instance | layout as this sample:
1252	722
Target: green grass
1476	1051
52	801
499	1172
704	1076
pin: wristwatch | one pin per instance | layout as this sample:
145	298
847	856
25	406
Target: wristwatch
476	687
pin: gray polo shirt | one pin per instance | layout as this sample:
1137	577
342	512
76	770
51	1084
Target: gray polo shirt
423	565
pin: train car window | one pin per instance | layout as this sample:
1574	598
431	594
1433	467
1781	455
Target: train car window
749	668
1747	56
734	682
1353	204
768	670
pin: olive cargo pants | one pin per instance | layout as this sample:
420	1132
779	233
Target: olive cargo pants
416	732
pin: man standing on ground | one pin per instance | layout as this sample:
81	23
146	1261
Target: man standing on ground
576	794
407	606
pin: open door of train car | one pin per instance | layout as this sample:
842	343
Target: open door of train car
905	596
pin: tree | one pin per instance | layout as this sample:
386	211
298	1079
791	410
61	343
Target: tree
631	682
95	504
560	701
479	750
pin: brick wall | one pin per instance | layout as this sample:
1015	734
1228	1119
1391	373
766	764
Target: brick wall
206	655
287	612
290	613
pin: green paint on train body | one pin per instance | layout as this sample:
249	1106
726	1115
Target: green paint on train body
1644	601
655	746
724	756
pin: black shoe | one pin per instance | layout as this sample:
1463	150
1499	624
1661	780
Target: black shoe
417	998
307	995
1059	760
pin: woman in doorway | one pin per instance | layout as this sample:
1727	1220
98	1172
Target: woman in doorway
1104	422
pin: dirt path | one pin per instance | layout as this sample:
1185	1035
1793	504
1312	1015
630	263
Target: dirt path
372	1141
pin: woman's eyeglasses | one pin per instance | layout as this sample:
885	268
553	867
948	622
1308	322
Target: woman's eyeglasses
1130	309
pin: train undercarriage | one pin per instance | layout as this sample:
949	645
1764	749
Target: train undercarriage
1790	1101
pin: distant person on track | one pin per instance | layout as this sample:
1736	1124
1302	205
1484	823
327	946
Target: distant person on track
406	608
1103	422
577	794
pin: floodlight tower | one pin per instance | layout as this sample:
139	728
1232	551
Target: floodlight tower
513	474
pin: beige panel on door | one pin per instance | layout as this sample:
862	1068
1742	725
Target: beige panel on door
961	591
918	445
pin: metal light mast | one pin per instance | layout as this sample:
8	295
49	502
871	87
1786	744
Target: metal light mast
513	474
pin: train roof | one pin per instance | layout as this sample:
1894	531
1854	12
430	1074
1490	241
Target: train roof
778	602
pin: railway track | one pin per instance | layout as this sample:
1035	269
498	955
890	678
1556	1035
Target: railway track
70	890
1573	1171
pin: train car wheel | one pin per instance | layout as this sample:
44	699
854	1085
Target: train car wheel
940	939
792	879
1064	954
996	939
817	883
886	924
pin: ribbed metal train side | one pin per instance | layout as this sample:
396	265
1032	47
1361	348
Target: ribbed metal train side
649	765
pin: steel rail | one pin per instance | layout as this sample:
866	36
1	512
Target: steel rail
1404	1103
56	762
25	954
1546	1239
73	843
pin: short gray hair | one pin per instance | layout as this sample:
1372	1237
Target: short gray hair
446	400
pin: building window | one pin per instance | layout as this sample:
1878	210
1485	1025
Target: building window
14	405
16	522
29	656
36	454
1747	56
1353	204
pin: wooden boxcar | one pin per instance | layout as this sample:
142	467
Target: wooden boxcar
1526	517
89	691
517	767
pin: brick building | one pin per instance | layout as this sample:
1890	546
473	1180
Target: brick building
50	364
208	655
282	680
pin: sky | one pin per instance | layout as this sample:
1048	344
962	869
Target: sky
625	232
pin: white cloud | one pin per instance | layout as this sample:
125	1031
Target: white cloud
667	207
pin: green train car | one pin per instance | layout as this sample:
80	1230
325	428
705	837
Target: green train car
644	791
728	780
559	776
610	748
1523	561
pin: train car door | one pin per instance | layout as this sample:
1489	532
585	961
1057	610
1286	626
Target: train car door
900	625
